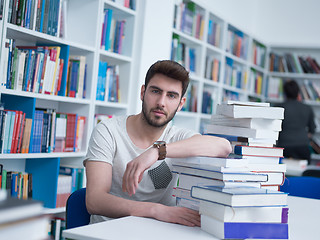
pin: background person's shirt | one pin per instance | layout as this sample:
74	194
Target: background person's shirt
298	122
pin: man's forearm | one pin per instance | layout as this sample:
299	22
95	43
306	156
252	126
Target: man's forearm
199	145
114	207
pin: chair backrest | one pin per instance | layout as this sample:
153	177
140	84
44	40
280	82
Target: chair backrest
313	171
304	186
76	210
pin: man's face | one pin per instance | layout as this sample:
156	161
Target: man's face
161	100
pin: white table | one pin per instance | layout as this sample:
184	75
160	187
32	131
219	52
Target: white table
304	223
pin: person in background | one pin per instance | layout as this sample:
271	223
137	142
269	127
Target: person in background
298	124
129	157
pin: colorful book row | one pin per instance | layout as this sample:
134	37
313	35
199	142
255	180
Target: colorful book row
235	74
17	184
112	35
46	132
44	69
237	43
46	16
293	63
183	54
108	83
189	19
192	99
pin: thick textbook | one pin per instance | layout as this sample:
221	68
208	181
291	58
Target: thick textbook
224	176
236	230
244	103
254	123
242	111
241	131
244	214
212	161
240	197
258	151
186	181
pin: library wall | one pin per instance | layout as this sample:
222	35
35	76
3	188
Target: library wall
289	22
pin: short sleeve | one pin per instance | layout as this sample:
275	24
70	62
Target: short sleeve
101	145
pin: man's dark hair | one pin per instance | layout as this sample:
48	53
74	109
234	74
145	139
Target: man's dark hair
170	69
291	89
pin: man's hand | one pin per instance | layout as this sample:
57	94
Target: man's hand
135	169
180	215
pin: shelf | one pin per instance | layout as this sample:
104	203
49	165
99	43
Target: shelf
18	32
111	104
294	75
45	96
125	11
42	155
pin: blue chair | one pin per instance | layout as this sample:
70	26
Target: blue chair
76	211
304	186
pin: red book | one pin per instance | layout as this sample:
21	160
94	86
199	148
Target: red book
15	131
21	133
71	132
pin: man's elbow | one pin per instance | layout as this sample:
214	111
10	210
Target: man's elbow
225	147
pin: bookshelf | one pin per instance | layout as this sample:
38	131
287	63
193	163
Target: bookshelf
78	35
228	62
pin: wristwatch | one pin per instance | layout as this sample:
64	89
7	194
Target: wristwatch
162	148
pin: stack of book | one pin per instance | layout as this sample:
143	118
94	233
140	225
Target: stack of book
251	173
252	129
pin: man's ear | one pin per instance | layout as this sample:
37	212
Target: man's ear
143	89
182	101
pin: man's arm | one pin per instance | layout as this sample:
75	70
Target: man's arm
197	145
100	202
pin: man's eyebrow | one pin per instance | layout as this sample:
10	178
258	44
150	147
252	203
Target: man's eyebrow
171	92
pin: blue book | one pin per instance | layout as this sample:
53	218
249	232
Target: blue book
6	132
12	126
109	13
240	197
42	14
244	230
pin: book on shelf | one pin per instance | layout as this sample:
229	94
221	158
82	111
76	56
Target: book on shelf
64	188
225	176
258	151
240	197
244	230
61	130
276	214
242	111
252	123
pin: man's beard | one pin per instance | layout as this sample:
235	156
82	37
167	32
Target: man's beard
153	122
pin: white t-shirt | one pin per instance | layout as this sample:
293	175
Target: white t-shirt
111	143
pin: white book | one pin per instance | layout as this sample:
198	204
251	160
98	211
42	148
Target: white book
244	214
242	111
213	161
185	181
241	132
213	167
267	167
188	203
258	151
244	103
240	197
262	160
226	176
253	123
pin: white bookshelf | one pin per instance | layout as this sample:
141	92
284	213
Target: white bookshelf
84	28
221	50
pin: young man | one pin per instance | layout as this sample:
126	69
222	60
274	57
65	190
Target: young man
128	169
